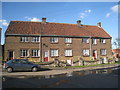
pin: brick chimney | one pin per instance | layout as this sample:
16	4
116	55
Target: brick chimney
99	24
44	20
79	22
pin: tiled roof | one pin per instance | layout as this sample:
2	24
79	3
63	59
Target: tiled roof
34	28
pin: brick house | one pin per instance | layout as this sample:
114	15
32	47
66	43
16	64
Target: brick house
45	41
116	53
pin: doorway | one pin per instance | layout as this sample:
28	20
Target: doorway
46	56
10	55
95	54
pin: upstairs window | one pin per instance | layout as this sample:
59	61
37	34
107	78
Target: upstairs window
68	52
94	41
53	52
102	41
54	40
68	40
86	52
24	39
85	40
35	39
35	53
24	53
103	51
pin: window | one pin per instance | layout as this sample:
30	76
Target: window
53	53
24	52
94	41
103	51
85	52
53	39
35	53
68	40
102	41
85	40
35	39
24	39
68	52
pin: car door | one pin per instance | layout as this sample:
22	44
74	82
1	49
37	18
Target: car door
25	65
16	64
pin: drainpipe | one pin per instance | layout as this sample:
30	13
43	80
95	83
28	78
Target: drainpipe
40	43
90	48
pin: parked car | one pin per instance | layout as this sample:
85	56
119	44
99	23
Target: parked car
3	62
20	65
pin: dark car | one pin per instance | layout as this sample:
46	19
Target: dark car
20	65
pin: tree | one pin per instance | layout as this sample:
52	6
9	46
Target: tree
116	43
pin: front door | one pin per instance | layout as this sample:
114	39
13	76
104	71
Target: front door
46	56
10	55
95	54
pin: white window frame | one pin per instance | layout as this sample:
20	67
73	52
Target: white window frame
103	51
102	41
24	39
53	52
35	53
54	39
68	40
85	40
94	41
24	51
68	52
86	52
35	39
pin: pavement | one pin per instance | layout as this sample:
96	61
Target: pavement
56	70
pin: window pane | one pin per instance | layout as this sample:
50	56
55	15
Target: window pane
54	52
23	52
24	39
68	40
35	53
68	52
35	39
85	40
103	51
94	41
53	40
86	52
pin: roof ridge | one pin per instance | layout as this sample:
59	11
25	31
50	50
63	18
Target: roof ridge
52	23
25	21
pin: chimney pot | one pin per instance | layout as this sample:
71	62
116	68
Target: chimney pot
79	22
99	24
44	20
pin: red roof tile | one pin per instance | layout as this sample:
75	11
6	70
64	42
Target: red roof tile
34	28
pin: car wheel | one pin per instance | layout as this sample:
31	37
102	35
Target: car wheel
9	69
34	69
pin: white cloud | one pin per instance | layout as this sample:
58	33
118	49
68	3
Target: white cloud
108	15
4	22
115	8
34	19
88	11
85	13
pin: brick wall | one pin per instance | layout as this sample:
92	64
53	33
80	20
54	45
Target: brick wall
13	43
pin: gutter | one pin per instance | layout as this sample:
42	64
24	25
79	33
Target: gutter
57	36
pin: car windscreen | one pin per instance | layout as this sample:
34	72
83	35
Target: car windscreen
9	61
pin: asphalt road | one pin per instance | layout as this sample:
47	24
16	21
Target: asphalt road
85	81
62	78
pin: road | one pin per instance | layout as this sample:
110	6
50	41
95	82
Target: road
56	71
62	78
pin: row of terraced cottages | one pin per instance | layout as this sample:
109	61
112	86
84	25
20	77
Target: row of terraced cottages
45	41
